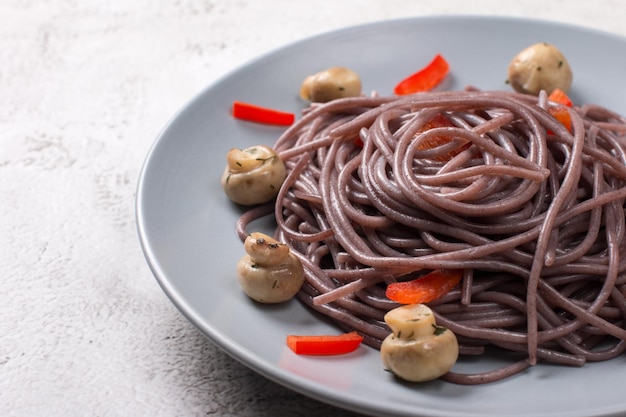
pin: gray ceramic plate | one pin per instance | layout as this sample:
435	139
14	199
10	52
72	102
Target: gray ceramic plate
186	224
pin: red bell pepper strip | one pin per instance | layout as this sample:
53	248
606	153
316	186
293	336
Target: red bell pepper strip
426	288
425	79
440	120
560	113
324	344
559	96
258	114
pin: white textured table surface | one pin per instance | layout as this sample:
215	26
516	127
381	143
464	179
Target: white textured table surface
85	86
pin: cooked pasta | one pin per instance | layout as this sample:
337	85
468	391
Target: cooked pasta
380	190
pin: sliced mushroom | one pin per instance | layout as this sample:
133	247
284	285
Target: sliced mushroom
253	175
541	66
417	350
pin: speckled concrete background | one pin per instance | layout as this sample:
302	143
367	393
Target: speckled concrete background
85	86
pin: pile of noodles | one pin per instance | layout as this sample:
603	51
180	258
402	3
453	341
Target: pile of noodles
531	211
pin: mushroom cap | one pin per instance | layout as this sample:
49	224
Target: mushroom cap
265	250
411	319
331	84
539	67
273	283
422	359
417	349
253	175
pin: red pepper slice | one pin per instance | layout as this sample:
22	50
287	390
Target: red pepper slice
324	344
440	120
426	288
559	113
258	114
425	79
559	96
562	115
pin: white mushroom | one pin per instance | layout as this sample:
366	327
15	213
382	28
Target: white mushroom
417	350
253	175
269	272
540	67
331	84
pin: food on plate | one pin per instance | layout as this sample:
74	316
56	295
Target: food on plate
253	175
561	113
259	114
560	97
426	78
424	289
324	345
331	84
531	212
269	272
417	349
503	211
540	67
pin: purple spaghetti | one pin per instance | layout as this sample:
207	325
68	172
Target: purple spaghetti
531	211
